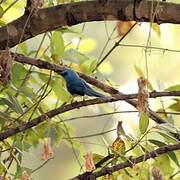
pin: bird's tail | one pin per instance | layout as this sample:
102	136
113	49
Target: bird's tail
91	92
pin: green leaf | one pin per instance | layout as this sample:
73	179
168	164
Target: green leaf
23	48
149	85
43	76
16	104
156	142
143	122
2	168
20	170
156	28
89	65
174	158
92	66
27	91
166	132
138	71
4	101
18	74
173	88
42	129
97	158
4	117
2	22
172	155
168	127
1	10
74	56
168	137
32	137
46	57
57	46
141	74
175	106
56	135
163	162
60	92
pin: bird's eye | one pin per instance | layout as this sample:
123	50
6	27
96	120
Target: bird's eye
65	73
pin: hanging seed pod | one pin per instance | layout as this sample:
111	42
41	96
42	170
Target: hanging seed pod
5	67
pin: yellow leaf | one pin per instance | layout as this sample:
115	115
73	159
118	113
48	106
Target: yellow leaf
156	28
118	146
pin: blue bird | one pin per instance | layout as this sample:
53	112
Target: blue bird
76	85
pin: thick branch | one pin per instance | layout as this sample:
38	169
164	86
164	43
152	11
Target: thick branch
95	10
129	163
12	131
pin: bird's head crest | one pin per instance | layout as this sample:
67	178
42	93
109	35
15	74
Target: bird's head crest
69	74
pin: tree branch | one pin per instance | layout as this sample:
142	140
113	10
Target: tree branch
108	89
129	163
64	108
49	19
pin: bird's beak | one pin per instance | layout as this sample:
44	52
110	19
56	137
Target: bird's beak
62	73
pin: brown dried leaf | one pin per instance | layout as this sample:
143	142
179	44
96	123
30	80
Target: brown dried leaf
120	130
156	173
5	67
89	164
143	95
47	149
124	26
34	5
37	3
25	176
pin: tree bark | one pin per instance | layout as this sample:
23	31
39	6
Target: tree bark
48	19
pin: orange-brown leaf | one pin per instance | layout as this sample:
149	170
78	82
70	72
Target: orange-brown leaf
89	164
143	95
156	173
47	149
124	26
25	176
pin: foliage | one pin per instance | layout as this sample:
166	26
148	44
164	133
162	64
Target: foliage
34	91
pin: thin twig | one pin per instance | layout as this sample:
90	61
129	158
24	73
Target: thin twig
91	135
39	167
149	47
176	173
71	142
112	49
116	112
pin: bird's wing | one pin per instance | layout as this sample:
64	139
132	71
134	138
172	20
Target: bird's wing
90	92
76	87
80	87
